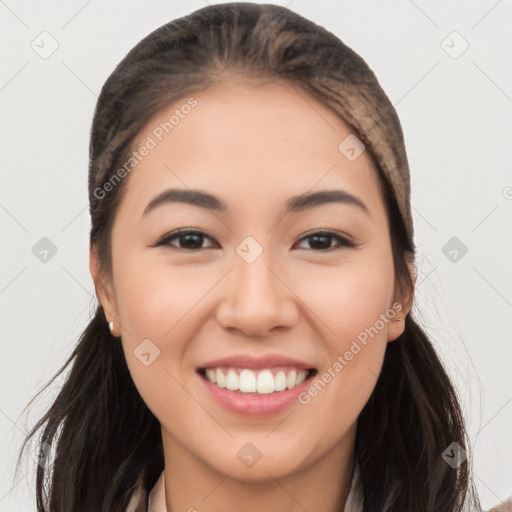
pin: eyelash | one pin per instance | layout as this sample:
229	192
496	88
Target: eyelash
343	242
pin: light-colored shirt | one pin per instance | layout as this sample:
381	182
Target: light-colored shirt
156	500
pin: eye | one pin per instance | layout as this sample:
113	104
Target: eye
321	241
187	239
192	240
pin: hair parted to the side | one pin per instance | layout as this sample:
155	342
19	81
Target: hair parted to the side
102	432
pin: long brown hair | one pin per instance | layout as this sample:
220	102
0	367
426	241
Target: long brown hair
101	431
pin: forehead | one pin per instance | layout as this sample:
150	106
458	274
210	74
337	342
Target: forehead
244	142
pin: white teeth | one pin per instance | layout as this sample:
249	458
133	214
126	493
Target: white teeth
220	378
290	379
265	382
248	381
211	375
232	380
301	377
280	381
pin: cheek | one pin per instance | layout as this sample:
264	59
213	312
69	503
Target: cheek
350	300
159	308
351	303
154	299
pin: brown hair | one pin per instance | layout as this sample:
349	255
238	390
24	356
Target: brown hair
102	432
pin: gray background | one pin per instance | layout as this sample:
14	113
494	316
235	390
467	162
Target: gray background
455	110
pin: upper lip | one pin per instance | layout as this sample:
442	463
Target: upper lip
247	361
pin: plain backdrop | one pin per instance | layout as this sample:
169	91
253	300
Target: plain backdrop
446	66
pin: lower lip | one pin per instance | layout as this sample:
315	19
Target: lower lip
255	405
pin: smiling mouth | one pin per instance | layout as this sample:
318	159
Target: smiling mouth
264	381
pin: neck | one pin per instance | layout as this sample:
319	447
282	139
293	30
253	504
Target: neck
322	485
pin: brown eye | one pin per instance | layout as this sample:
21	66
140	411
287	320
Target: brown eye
191	240
321	241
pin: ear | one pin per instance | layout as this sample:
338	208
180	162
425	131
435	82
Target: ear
402	305
102	286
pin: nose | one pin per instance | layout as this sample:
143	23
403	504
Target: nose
257	299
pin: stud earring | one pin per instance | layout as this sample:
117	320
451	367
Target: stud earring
112	329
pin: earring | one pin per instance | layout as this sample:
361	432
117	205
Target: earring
111	327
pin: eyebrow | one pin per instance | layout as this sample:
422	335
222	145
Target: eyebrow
294	204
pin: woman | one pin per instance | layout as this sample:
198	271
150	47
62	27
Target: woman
252	252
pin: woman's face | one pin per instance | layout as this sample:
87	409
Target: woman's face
252	297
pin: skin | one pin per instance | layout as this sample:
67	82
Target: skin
254	147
